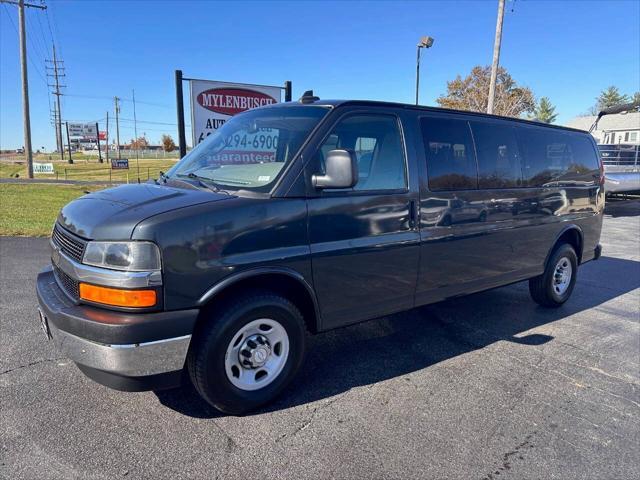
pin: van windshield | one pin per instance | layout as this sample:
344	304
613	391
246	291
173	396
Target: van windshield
250	150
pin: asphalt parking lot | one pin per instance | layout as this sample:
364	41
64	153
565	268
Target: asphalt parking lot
486	387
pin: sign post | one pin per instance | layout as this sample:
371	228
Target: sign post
182	141
98	143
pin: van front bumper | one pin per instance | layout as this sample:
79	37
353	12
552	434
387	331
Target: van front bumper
125	351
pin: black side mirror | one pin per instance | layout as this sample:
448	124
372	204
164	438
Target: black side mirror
341	170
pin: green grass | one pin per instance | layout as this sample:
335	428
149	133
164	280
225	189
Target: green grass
31	209
92	170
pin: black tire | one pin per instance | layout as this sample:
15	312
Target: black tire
542	288
206	359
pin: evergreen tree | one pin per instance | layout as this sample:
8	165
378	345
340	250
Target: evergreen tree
610	98
545	111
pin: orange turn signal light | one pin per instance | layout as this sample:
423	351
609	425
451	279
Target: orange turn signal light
117	297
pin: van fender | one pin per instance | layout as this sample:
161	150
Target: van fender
256	272
564	230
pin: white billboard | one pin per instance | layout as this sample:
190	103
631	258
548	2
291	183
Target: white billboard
82	130
213	103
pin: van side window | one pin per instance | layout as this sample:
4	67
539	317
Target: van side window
378	146
552	157
451	162
498	157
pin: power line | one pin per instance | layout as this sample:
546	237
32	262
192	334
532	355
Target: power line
123	99
55	39
147	121
35	65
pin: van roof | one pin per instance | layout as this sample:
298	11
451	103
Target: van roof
376	103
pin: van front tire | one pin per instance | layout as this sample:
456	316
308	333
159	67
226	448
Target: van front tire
555	285
248	352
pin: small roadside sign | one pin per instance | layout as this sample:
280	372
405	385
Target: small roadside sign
120	164
43	168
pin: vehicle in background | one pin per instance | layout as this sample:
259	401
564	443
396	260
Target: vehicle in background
305	217
621	168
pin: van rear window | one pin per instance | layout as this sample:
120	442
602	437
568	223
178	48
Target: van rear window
550	157
451	162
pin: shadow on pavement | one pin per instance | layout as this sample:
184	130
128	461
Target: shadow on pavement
622	207
393	346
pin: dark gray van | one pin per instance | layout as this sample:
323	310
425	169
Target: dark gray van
307	216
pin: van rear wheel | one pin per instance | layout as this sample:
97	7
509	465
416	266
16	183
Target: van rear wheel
247	353
555	285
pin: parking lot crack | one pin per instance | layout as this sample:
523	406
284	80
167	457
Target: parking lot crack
518	452
309	420
31	364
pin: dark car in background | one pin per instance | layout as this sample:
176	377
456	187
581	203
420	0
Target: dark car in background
308	216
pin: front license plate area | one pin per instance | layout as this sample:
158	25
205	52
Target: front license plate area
44	325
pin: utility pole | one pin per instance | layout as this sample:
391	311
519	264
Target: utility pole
135	133
56	85
117	108
496	56
22	34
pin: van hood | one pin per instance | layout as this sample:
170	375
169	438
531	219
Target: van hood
112	214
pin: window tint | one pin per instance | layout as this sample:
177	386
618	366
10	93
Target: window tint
551	157
498	157
378	147
451	163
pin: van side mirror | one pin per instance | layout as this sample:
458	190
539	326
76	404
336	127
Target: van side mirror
341	170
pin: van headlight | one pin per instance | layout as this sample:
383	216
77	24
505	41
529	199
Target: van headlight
128	256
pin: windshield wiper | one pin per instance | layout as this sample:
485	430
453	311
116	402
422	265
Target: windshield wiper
207	183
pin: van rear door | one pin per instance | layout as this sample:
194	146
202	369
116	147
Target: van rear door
467	233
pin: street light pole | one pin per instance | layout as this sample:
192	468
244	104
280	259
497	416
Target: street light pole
425	42
496	56
417	72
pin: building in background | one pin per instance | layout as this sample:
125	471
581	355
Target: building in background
623	128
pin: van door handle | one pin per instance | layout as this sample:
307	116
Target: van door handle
413	214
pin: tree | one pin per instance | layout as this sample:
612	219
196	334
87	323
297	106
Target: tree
636	98
168	145
545	111
140	144
472	93
610	98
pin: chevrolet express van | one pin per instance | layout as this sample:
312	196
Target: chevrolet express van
302	217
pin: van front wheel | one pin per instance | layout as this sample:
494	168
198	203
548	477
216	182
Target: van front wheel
248	353
554	286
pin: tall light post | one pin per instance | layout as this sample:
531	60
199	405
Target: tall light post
425	42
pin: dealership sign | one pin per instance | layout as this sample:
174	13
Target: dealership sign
43	168
82	130
120	164
213	103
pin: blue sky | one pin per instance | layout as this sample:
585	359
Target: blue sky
566	50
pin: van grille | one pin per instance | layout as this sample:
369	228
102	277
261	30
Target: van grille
68	243
68	284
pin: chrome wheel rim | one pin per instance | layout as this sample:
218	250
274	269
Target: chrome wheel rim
562	276
257	354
